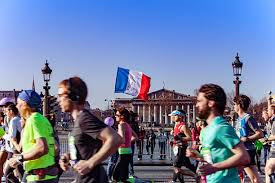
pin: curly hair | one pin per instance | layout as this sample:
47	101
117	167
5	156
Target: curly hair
216	93
244	101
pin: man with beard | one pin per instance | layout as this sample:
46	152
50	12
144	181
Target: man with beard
222	151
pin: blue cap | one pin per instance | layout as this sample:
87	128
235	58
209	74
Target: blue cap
31	98
176	113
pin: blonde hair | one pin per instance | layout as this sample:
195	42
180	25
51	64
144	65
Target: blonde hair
26	111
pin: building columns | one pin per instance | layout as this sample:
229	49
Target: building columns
144	114
138	112
166	115
155	114
188	114
160	115
149	113
194	114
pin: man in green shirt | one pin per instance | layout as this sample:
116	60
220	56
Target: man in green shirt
222	151
38	150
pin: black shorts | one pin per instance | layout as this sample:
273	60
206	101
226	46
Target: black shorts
252	154
181	160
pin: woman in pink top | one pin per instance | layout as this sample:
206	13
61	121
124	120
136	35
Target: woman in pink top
121	172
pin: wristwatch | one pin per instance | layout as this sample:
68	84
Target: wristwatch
20	158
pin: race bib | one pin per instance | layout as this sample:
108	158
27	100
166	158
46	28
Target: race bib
176	150
72	149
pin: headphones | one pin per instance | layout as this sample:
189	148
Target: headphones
73	95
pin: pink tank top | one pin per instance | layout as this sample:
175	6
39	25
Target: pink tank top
128	136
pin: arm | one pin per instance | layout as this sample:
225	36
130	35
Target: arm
257	135
40	149
271	138
111	142
239	158
187	133
252	123
134	137
15	144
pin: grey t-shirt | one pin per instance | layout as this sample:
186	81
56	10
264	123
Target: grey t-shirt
272	132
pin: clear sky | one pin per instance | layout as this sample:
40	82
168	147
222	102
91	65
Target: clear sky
181	42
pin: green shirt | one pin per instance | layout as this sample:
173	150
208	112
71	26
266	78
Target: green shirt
38	126
220	138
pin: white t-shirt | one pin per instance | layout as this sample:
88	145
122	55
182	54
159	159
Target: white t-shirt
13	130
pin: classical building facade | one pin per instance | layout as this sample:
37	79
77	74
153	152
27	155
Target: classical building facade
159	104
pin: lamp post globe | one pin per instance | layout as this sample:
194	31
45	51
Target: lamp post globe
237	66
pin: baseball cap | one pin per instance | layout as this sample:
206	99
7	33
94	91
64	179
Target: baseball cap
176	113
6	100
32	98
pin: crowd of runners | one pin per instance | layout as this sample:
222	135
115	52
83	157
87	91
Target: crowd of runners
211	151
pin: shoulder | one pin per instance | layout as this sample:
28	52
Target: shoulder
86	118
35	117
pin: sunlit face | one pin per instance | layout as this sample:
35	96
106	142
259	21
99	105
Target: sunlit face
21	106
9	113
202	106
265	115
5	110
236	107
270	111
118	116
175	118
63	99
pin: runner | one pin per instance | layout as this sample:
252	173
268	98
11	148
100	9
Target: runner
222	150
37	141
182	135
249	133
91	141
121	171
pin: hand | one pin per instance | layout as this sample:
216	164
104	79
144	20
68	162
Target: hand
206	169
13	162
244	139
83	167
64	162
192	153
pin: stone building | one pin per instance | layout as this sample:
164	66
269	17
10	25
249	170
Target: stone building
159	104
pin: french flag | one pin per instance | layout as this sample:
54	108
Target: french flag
133	83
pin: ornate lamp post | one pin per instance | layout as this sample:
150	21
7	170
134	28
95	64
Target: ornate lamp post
46	71
237	72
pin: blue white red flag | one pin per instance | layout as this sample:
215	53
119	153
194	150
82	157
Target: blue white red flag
132	83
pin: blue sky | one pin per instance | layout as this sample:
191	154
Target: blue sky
183	43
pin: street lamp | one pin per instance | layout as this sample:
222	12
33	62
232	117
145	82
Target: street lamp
46	71
237	72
